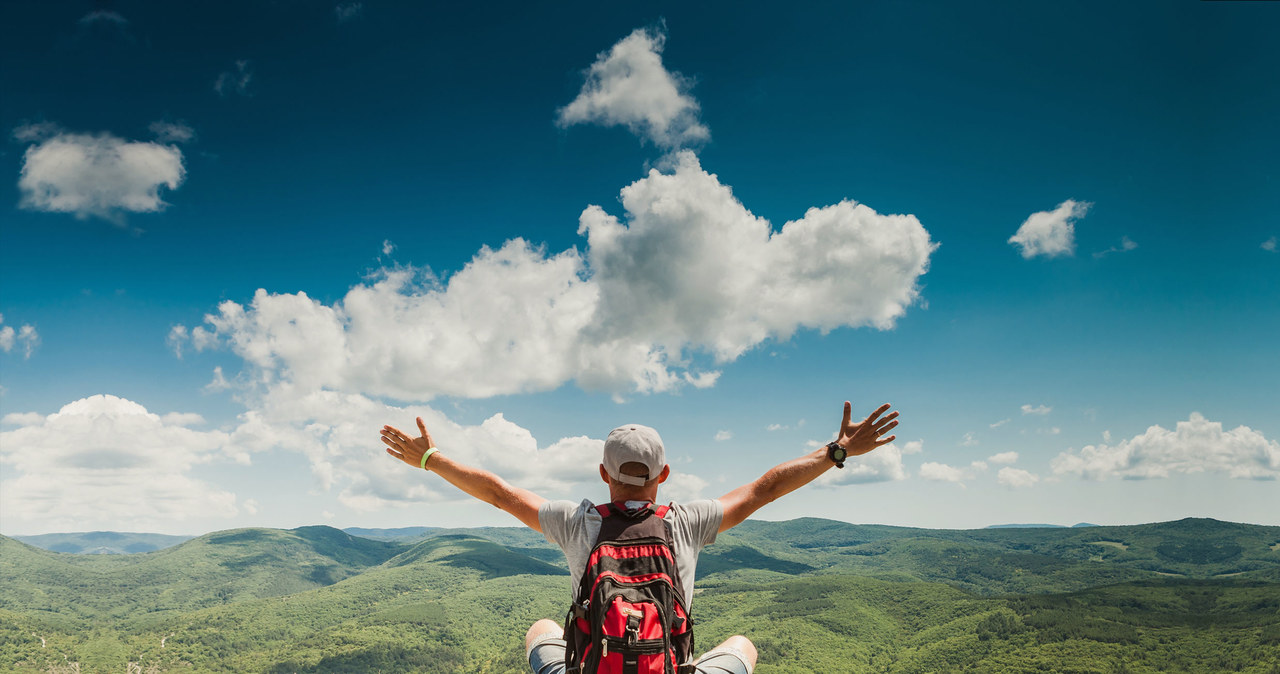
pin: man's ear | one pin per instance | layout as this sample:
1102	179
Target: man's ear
604	474
666	472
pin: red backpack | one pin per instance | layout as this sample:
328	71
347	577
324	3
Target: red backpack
629	614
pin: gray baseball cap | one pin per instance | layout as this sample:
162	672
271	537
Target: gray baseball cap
633	442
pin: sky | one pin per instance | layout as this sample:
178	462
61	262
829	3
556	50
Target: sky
236	239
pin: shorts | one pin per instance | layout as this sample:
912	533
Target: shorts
547	657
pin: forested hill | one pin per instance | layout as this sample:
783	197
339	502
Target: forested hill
816	595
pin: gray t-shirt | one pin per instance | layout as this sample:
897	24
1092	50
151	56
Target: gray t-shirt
575	526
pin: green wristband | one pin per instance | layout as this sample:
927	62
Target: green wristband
427	455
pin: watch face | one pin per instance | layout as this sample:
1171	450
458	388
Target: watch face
839	454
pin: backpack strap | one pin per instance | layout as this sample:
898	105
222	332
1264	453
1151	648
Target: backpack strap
620	508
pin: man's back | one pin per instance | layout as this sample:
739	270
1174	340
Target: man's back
575	526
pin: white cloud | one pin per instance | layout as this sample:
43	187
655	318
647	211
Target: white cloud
1269	245
22	418
1039	410
1003	457
628	86
1000	423
913	447
106	462
775	427
1016	477
1197	445
1050	233
388	247
348	11
172	132
693	265
218	383
883	464
691	272
177	338
682	487
941	472
337	434
96	175
234	82
35	132
968	440
25	338
722	436
1125	246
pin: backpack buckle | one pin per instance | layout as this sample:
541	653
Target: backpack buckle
633	628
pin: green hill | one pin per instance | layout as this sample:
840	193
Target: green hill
102	542
213	569
815	595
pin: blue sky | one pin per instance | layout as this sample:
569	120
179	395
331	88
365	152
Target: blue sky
236	240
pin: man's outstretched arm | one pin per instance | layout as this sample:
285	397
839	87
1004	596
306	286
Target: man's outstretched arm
857	439
521	503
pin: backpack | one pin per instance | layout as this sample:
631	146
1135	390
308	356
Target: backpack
629	613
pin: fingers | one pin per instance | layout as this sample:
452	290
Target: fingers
886	424
879	410
422	427
885	441
392	435
848	411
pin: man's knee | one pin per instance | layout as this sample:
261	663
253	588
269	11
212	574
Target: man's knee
744	646
540	628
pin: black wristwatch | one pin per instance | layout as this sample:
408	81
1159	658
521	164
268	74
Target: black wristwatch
837	454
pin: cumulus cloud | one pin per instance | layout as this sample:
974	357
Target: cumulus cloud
1196	445
941	472
332	430
34	132
1016	477
234	81
628	86
688	272
722	436
882	465
25	338
1050	233
1038	410
1126	245
1003	457
104	461
913	447
1269	245
95	175
388	247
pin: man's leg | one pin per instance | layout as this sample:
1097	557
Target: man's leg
730	657
544	647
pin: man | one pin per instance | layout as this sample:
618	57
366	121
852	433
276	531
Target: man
634	464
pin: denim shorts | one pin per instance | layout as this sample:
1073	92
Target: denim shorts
547	657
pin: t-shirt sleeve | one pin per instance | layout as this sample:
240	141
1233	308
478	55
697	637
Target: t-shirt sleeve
557	521
701	521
